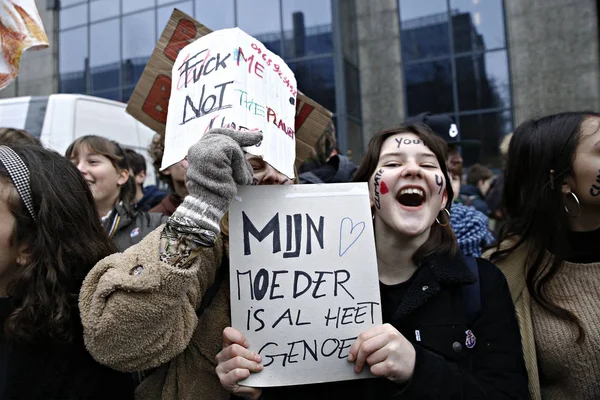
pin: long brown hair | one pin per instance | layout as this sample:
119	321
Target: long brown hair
60	248
441	238
117	156
540	157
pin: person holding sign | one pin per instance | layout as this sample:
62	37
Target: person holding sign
434	343
160	306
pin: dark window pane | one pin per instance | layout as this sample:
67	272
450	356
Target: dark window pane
104	54
133	69
477	24
307	27
73	16
315	79
109	94
352	90
164	13
489	129
423	29
215	15
138	43
135	5
101	9
483	81
429	87
127	92
72	60
260	18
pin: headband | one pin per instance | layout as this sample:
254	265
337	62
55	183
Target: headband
19	174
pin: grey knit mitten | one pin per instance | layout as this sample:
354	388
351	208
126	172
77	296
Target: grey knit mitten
216	166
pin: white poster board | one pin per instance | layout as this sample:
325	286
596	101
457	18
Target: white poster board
21	29
229	79
303	275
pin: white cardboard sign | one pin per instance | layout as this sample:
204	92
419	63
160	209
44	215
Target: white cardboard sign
303	279
229	79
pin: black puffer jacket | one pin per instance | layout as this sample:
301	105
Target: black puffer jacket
445	367
126	229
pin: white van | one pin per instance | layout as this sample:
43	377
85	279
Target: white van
57	120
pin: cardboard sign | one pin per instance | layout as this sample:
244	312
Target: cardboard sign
150	99
230	79
21	29
303	279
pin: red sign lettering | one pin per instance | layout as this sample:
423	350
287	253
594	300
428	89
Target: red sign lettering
302	114
157	102
183	35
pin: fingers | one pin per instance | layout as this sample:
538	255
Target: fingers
226	366
367	349
366	335
233	336
243	138
235	350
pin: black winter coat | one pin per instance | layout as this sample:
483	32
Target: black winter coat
130	229
47	370
445	367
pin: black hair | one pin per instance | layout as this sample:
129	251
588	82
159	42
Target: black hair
540	157
60	248
137	162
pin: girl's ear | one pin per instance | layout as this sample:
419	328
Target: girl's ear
123	177
444	199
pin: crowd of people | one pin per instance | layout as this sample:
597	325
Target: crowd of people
110	289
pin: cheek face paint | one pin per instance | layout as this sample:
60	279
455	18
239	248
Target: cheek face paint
440	182
377	188
384	188
595	189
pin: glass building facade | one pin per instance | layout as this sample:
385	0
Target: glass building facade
455	62
104	45
454	55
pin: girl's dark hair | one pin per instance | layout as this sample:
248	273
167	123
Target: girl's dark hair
13	136
60	248
441	239
115	153
540	157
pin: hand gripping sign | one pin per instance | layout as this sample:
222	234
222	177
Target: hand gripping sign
20	29
303	279
229	79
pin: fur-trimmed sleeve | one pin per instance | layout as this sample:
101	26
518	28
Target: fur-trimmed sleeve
138	312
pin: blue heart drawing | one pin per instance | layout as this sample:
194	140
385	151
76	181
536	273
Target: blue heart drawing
355	231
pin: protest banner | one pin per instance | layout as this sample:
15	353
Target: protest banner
303	279
229	79
150	99
21	29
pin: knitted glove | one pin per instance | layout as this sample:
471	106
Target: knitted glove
216	166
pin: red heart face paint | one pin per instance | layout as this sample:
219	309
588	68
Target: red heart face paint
384	188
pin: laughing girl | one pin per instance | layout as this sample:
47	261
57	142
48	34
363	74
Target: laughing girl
430	345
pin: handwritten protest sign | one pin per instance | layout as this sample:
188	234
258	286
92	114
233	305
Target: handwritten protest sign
150	99
229	79
21	29
303	279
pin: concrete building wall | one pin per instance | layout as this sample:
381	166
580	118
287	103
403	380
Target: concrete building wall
554	61
39	69
381	82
